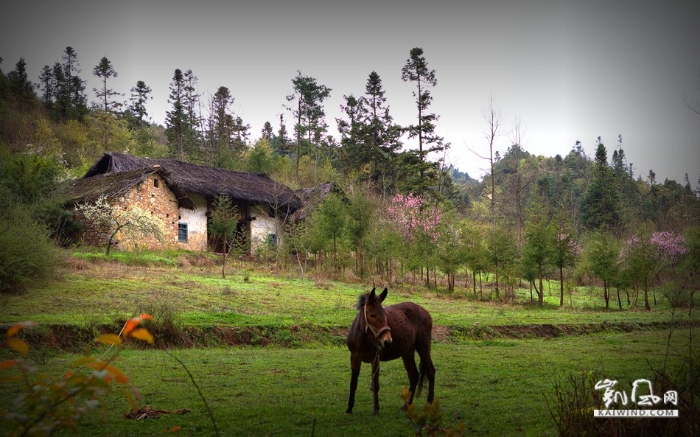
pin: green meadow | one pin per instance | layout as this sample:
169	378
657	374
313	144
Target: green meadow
493	382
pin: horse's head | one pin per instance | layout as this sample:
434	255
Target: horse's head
374	317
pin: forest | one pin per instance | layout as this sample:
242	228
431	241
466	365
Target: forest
404	214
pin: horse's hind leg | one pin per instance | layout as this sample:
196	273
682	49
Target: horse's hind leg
430	373
409	362
428	369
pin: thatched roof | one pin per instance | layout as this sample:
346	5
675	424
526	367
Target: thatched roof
312	196
207	181
112	185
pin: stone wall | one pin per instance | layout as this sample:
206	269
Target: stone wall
152	196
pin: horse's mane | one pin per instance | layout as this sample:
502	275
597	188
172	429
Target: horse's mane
361	301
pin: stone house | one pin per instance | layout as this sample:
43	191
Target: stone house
182	195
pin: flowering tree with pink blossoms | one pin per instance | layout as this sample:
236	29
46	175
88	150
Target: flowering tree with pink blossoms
419	224
414	218
646	255
670	248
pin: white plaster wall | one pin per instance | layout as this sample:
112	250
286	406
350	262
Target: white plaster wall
196	224
262	226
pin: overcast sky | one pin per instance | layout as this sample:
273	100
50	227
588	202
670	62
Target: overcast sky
568	70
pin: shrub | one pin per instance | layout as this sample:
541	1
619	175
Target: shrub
26	252
430	420
48	404
166	323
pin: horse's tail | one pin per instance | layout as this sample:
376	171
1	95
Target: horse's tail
421	378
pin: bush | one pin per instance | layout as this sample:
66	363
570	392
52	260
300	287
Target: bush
50	404
430	420
166	324
27	253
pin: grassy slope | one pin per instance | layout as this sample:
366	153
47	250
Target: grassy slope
103	292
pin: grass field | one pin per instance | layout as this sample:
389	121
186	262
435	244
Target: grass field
495	386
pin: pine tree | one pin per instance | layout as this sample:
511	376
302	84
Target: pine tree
266	133
601	205
191	103
20	85
220	130
416	70
104	70
309	112
179	130
369	137
70	61
241	133
280	143
140	94
382	134
63	90
47	83
618	159
351	134
73	86
62	104
223	226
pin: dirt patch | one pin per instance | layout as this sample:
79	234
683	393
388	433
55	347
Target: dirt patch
528	331
148	412
550	331
441	333
74	338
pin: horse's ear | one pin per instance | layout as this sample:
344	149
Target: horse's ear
383	295
372	293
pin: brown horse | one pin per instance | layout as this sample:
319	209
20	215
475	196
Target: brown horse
387	333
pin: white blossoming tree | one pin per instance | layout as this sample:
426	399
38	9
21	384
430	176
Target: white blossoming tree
133	222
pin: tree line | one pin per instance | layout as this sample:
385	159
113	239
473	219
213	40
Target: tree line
211	133
404	214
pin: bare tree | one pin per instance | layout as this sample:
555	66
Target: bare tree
492	117
516	139
282	212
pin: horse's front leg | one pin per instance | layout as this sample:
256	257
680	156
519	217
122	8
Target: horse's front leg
375	384
355	364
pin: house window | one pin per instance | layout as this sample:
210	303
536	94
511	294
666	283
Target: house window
155	183
182	232
272	240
